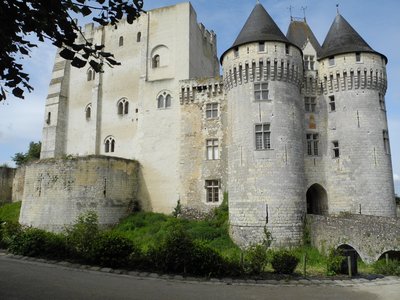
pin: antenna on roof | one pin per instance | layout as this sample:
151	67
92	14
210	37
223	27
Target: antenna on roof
291	15
304	8
337	8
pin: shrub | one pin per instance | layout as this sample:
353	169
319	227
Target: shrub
7	232
334	262
82	235
284	262
256	259
392	268
112	250
37	242
9	212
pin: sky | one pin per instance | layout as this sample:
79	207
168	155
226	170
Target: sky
377	22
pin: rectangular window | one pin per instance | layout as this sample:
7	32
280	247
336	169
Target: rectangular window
310	104
236	52
287	49
358	57
331	61
211	110
309	62
212	191
335	149
386	141
263	136
382	101
261	47
312	144
212	149
261	91
332	103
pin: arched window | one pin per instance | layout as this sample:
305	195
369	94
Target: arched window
91	74
138	37
164	100
121	41
156	61
160	101
88	111
109	144
123	106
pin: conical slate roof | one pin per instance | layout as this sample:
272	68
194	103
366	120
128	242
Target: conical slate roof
299	33
259	27
342	38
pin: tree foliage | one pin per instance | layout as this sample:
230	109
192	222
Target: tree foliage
32	154
20	20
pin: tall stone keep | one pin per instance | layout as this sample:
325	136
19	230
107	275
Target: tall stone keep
353	81
263	72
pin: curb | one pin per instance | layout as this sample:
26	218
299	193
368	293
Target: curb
373	281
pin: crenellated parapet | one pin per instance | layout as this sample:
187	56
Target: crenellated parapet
345	74
211	87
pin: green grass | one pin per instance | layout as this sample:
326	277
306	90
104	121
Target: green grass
10	212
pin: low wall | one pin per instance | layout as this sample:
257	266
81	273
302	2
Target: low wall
6	183
370	236
56	192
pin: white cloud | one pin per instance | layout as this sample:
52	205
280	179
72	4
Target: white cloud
396	177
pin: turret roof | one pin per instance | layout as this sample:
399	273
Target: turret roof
342	38
259	27
299	33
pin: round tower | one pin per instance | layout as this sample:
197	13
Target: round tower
358	164
263	72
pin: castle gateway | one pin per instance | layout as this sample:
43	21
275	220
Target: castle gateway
290	128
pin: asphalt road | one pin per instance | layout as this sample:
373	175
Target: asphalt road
33	280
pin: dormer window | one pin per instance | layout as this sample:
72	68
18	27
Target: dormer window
287	49
236	52
261	47
331	61
358	57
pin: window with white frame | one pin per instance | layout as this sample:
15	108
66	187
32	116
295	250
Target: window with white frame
123	106
312	144
382	101
212	149
335	149
386	144
263	136
310	104
261	91
164	100
212	191
211	110
309	62
332	103
109	144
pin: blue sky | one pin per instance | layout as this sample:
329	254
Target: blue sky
376	21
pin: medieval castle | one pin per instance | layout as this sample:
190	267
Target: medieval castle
291	128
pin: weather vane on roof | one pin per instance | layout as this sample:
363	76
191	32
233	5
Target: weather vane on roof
304	8
337	8
291	15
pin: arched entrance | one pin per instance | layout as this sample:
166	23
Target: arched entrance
317	200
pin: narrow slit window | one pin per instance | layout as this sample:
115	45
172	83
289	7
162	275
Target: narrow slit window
335	149
332	103
121	41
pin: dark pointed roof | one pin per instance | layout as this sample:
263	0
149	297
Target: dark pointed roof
259	27
342	38
299	33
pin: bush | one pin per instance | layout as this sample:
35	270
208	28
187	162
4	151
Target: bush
334	262
82	235
7	232
112	250
284	262
256	259
9	212
37	242
392	268
179	253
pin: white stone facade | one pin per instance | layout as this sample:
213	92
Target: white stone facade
197	135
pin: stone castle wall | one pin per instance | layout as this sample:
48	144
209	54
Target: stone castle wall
18	184
6	183
56	192
356	231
